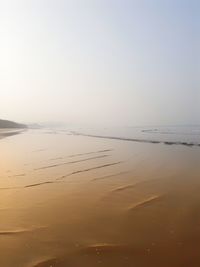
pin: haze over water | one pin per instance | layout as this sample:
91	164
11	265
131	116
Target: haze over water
112	63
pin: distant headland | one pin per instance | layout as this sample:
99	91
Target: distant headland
11	125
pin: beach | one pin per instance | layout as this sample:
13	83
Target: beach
5	132
74	200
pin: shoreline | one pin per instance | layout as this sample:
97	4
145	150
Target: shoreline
183	143
6	132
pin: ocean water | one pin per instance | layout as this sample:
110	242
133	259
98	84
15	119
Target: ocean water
183	135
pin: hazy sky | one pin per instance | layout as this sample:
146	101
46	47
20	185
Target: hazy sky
105	61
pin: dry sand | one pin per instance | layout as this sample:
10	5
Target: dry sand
77	201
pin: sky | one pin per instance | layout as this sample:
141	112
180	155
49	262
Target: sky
112	62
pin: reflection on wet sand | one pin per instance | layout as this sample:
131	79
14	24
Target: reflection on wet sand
133	205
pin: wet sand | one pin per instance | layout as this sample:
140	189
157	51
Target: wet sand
9	132
72	200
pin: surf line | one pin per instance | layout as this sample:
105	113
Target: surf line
189	144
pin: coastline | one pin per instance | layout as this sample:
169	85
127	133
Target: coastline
6	132
150	141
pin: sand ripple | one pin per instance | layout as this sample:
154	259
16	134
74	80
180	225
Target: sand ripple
20	231
70	162
146	202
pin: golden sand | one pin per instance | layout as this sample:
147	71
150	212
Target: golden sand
77	201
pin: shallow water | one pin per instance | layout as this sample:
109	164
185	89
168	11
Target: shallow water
72	200
182	135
